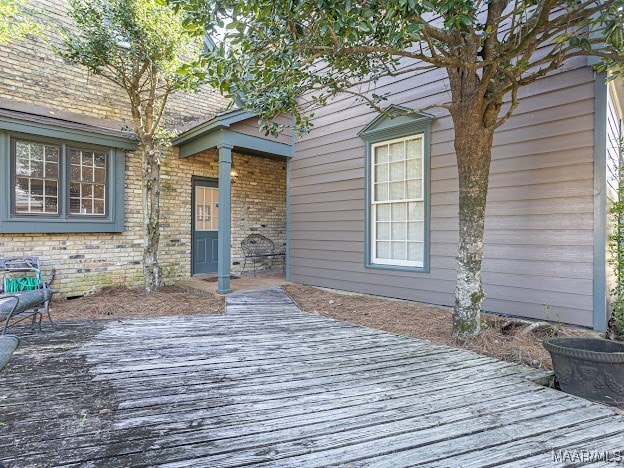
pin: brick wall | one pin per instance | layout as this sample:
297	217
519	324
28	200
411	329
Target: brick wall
87	262
32	73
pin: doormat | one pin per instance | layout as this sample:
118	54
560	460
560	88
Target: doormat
214	279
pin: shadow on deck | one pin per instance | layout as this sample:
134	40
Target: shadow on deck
267	383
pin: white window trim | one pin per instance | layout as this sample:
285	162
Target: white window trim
373	204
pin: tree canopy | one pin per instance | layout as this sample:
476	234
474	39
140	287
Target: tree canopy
275	51
15	22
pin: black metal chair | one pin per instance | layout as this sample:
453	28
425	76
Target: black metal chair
256	246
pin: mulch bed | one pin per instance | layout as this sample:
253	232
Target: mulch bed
433	323
122	302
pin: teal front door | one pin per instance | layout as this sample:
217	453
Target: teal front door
205	226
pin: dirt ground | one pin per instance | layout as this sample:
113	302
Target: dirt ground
126	302
498	338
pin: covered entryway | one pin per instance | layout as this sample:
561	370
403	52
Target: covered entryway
205	226
234	132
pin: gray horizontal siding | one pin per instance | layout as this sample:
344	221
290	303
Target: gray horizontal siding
539	218
250	127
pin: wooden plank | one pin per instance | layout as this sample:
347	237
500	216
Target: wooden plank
244	388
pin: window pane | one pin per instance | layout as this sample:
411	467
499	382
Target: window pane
381	192
397	171
397	190
87	158
383	212
414	168
98	207
99	175
51	188
22	197
399	212
74	205
36	152
415	231
383	250
381	173
397	151
414	149
87	174
36	168
86	206
74	157
416	211
399	231
51	205
381	154
100	160
98	191
415	251
36	204
399	251
51	170
414	188
383	231
22	167
51	154
36	187
22	150
87	191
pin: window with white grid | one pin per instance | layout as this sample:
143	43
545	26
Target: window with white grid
36	177
87	182
397	202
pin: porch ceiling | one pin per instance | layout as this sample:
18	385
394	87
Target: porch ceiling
217	132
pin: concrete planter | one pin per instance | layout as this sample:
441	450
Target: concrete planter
591	368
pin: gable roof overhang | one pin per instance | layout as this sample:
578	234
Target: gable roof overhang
217	132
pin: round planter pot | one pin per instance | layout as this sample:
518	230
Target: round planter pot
591	368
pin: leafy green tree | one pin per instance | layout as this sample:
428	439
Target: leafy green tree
280	55
142	47
14	21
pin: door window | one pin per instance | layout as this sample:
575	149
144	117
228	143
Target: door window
206	209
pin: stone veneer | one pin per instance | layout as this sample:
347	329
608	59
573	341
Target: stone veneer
87	262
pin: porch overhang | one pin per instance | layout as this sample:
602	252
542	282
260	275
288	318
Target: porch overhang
217	132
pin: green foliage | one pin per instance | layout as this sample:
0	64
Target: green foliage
15	21
276	51
616	246
142	46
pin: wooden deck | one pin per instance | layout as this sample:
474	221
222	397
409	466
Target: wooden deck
269	384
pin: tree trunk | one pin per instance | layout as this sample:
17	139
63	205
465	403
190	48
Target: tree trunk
473	147
151	216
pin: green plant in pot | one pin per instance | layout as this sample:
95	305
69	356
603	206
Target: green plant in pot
593	368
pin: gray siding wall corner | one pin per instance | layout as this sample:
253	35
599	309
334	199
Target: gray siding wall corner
539	227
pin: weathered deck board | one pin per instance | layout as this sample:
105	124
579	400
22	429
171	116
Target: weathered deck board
268	384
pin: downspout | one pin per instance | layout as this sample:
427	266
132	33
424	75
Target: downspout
599	285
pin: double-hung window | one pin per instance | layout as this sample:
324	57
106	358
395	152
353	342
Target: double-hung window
397	204
397	190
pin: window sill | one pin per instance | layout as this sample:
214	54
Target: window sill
411	269
43	225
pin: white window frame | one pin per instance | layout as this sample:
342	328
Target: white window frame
373	204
